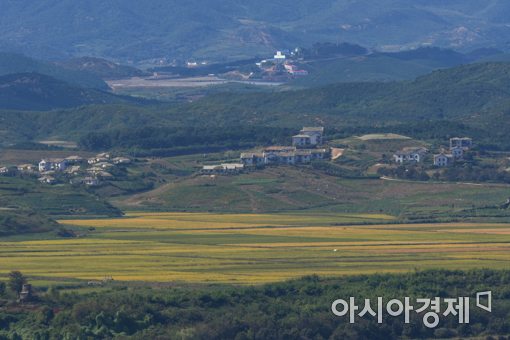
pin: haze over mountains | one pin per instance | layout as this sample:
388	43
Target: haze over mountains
34	91
227	29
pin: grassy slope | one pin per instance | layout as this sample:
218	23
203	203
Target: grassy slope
17	63
101	68
370	68
57	200
447	93
24	221
292	188
34	91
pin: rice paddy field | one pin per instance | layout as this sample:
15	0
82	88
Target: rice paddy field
252	248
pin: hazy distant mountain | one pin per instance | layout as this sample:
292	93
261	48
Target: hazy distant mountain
390	66
102	68
129	29
17	63
33	91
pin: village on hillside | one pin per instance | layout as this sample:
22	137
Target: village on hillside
455	153
307	148
73	169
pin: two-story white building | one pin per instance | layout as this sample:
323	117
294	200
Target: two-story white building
457	152
463	142
301	141
410	155
56	164
253	158
315	134
443	159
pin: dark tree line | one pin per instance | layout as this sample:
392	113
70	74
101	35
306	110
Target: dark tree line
158	138
298	309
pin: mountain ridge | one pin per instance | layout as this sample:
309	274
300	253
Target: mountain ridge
39	92
219	29
474	96
19	63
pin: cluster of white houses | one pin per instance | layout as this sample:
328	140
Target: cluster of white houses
458	146
95	168
305	148
282	155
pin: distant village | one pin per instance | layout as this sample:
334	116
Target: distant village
455	153
75	169
306	147
281	64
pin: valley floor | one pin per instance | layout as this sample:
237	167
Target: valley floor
252	248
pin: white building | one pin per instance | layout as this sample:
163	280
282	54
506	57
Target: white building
26	167
463	142
225	168
315	134
303	156
5	170
301	140
56	164
253	158
443	159
121	160
410	155
47	180
457	152
283	155
279	56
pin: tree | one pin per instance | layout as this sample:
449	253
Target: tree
2	288
16	281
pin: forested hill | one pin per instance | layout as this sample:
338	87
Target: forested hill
18	63
475	96
34	91
131	29
101	68
22	221
445	94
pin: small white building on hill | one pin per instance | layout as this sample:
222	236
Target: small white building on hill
55	164
463	142
410	155
315	134
443	159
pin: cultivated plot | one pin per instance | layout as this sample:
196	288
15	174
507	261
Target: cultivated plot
252	249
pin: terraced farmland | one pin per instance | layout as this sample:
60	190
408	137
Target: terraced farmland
253	248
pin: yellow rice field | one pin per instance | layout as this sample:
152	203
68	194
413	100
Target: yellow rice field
251	248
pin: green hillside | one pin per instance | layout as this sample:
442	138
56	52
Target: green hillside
470	99
60	200
312	189
445	93
16	221
18	63
384	66
33	91
101	68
